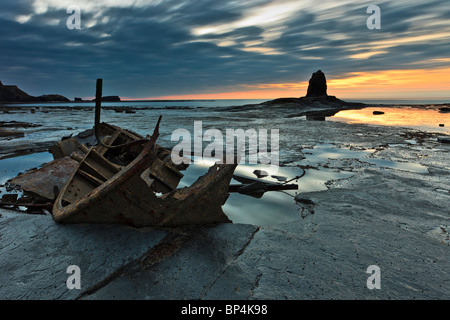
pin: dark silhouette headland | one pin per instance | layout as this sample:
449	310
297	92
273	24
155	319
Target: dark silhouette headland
316	105
12	94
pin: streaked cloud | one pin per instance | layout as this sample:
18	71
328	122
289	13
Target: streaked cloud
159	48
366	55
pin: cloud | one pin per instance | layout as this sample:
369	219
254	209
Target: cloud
166	47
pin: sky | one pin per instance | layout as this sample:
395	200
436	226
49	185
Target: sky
226	49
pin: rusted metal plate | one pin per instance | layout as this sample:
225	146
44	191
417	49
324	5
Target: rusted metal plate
166	177
64	148
129	197
200	203
42	181
83	199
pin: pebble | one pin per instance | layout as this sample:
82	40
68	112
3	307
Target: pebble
444	139
260	173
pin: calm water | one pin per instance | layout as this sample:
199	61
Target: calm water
429	119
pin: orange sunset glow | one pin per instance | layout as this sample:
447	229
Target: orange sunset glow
259	49
412	83
429	119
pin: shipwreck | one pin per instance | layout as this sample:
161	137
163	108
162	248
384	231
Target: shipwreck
121	177
141	192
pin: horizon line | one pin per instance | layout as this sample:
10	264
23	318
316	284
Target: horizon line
126	99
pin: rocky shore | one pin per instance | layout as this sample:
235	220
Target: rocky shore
392	217
388	212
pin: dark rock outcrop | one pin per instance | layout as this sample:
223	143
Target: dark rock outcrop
11	133
9	93
316	105
13	94
443	139
52	98
110	99
317	85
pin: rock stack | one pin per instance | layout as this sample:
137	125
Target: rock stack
317	85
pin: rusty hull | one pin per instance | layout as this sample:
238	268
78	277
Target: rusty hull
143	193
43	181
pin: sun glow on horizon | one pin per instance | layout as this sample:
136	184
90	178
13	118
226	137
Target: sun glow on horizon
396	84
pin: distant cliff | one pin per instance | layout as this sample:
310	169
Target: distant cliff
110	99
9	93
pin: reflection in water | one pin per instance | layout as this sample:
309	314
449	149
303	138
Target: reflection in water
11	167
270	209
273	207
416	118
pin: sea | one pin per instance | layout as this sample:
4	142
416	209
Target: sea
67	118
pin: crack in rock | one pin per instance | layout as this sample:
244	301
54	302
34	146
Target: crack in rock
238	254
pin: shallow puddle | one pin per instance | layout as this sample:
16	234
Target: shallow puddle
11	167
321	153
431	120
272	208
276	207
